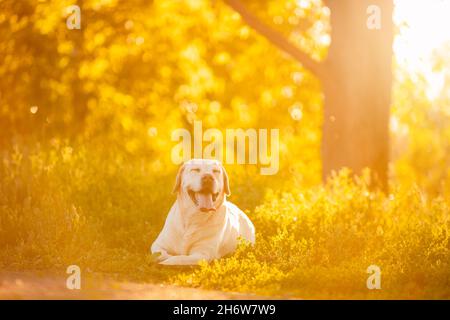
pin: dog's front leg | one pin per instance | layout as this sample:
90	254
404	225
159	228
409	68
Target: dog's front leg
191	259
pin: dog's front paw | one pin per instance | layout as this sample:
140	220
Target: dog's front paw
158	257
154	257
172	261
184	260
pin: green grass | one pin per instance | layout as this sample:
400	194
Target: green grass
101	210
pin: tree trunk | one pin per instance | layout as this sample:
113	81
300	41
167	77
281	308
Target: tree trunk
356	79
357	89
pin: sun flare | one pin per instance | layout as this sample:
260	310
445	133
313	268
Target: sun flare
420	33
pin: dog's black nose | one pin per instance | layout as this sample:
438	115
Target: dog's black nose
207	178
207	182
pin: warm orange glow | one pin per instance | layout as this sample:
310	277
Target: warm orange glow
90	117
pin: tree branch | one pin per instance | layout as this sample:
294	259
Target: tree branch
276	38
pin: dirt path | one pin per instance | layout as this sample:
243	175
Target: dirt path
33	286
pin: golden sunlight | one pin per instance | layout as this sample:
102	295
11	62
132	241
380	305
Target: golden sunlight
328	122
420	33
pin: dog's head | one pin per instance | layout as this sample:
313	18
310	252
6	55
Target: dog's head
204	183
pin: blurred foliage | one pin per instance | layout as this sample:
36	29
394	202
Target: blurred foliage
187	60
420	126
85	123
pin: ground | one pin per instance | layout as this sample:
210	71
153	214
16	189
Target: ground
15	285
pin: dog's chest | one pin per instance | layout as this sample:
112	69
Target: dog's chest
201	231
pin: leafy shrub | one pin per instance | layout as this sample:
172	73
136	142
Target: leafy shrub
318	243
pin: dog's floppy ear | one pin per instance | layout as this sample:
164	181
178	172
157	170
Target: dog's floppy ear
177	185
226	183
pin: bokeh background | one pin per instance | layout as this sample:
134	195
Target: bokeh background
86	118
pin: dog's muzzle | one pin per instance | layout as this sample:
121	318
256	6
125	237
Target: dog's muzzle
205	198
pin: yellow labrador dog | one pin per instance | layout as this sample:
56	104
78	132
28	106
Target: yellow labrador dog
202	224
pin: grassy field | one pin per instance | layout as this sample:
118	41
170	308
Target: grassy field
98	209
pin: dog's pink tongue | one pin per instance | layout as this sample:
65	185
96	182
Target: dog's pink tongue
205	201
